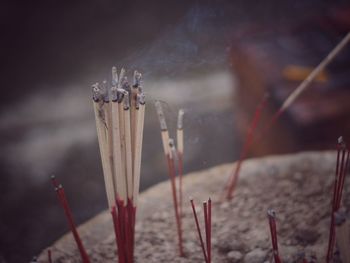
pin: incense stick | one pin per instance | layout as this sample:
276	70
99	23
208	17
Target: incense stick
98	105
340	173
272	223
170	153
209	231
180	152
49	256
172	175
232	182
64	203
140	116
306	83
199	230
127	140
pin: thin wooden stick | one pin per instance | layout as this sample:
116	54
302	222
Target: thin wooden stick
209	231
306	83
98	105
135	90
172	175
140	117
109	137
128	152
122	190
163	128
199	230
180	152
120	182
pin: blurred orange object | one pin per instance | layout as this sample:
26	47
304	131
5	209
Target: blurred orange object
299	73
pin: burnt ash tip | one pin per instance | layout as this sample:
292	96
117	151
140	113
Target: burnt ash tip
180	119
96	92
271	213
341	142
137	79
161	116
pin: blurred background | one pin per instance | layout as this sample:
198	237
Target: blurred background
215	59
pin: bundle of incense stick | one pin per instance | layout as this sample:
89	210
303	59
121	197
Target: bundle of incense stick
230	186
207	223
119	113
171	154
342	166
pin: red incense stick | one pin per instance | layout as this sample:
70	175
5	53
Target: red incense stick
232	182
272	222
49	256
199	230
64	203
209	231
171	170
340	173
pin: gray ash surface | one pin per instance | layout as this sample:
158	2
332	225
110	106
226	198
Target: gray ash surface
298	187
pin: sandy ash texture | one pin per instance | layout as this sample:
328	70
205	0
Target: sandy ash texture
298	187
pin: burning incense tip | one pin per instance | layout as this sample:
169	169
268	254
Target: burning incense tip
161	116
